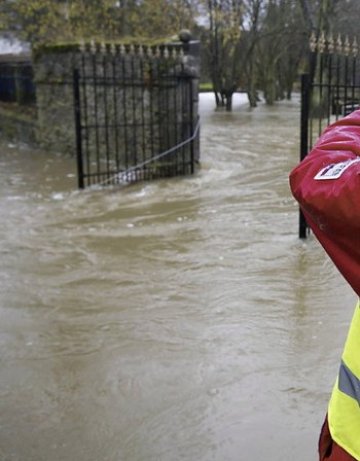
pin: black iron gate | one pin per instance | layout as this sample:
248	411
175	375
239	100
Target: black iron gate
329	91
135	113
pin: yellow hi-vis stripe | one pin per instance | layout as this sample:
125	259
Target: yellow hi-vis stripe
344	405
348	383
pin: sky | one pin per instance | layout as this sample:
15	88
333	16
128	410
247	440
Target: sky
12	46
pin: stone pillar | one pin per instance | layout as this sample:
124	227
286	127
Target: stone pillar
53	73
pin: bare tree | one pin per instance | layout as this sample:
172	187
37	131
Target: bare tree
280	49
225	21
256	54
249	70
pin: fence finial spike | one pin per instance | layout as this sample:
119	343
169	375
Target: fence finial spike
92	46
113	49
339	44
82	46
355	48
321	44
347	46
312	42
331	45
103	47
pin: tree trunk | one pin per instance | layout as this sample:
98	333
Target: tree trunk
289	92
229	102
217	98
252	96
270	92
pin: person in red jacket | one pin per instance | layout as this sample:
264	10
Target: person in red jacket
327	186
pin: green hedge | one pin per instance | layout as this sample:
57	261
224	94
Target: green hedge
205	87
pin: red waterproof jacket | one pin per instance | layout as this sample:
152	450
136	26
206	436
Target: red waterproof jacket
327	186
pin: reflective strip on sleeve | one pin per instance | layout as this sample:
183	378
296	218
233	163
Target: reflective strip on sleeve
349	384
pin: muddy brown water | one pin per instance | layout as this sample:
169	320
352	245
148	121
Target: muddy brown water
175	320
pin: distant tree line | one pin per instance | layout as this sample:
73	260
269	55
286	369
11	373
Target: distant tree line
247	45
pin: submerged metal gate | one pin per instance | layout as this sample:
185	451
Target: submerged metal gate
329	91
135	114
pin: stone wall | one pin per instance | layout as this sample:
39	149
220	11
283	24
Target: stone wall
18	124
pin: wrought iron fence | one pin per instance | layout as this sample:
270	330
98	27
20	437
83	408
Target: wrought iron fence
330	90
135	113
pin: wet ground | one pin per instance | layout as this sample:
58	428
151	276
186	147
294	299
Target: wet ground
175	320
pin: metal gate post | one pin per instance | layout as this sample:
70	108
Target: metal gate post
192	145
305	100
79	156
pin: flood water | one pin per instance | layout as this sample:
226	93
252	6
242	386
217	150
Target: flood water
175	320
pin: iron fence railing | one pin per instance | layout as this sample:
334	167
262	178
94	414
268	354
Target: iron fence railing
135	117
329	91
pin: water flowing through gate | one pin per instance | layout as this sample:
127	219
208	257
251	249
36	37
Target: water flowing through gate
136	114
330	90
